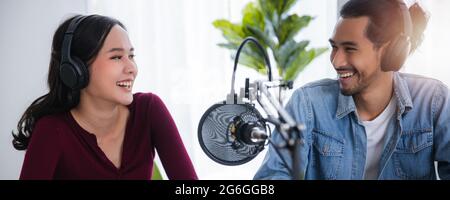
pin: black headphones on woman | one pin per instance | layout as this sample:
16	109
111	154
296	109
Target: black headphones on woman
398	50
73	71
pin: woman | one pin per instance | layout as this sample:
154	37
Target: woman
90	125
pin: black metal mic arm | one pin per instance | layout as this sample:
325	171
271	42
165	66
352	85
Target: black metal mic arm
232	98
285	124
289	129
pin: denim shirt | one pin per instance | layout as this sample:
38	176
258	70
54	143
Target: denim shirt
334	144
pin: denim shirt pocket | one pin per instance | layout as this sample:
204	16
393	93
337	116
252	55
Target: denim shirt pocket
328	151
413	155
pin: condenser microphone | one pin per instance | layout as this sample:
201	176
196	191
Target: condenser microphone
233	132
250	133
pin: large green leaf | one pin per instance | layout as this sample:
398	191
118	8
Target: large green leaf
228	46
254	25
298	62
275	8
267	8
269	22
290	26
250	49
286	5
271	16
252	16
232	32
287	50
253	62
283	6
261	37
275	24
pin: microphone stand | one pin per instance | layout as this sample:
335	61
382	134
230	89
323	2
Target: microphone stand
286	125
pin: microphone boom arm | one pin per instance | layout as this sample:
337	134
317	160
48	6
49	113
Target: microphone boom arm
286	125
232	98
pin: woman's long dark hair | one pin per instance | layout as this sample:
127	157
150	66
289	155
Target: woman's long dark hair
87	41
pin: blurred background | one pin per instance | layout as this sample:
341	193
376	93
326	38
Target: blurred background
178	59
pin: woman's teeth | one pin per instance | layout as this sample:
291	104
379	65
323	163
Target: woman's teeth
346	75
126	84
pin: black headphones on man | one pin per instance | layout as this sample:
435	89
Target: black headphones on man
398	50
73	71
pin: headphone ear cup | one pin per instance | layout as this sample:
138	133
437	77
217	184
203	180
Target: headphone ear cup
68	75
74	74
395	55
83	74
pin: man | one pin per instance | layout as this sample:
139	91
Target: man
373	122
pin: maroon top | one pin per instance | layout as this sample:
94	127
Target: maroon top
60	149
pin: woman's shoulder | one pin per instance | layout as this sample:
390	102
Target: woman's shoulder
52	122
146	99
50	125
143	96
148	105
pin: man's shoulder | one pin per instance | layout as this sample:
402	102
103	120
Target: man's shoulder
420	82
321	83
415	78
319	87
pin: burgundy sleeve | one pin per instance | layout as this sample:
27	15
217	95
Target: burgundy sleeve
168	143
41	157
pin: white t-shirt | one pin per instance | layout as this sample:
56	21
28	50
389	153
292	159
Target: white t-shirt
375	131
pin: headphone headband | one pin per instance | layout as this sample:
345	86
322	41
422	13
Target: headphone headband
73	71
407	23
68	35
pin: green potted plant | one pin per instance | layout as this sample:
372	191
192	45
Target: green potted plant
156	175
269	22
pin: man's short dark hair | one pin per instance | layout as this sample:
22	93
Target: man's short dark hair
386	20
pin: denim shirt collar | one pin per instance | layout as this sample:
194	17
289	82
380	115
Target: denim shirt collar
346	104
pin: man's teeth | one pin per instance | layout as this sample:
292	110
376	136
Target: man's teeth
126	84
346	75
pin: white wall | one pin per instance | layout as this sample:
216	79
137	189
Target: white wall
26	31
